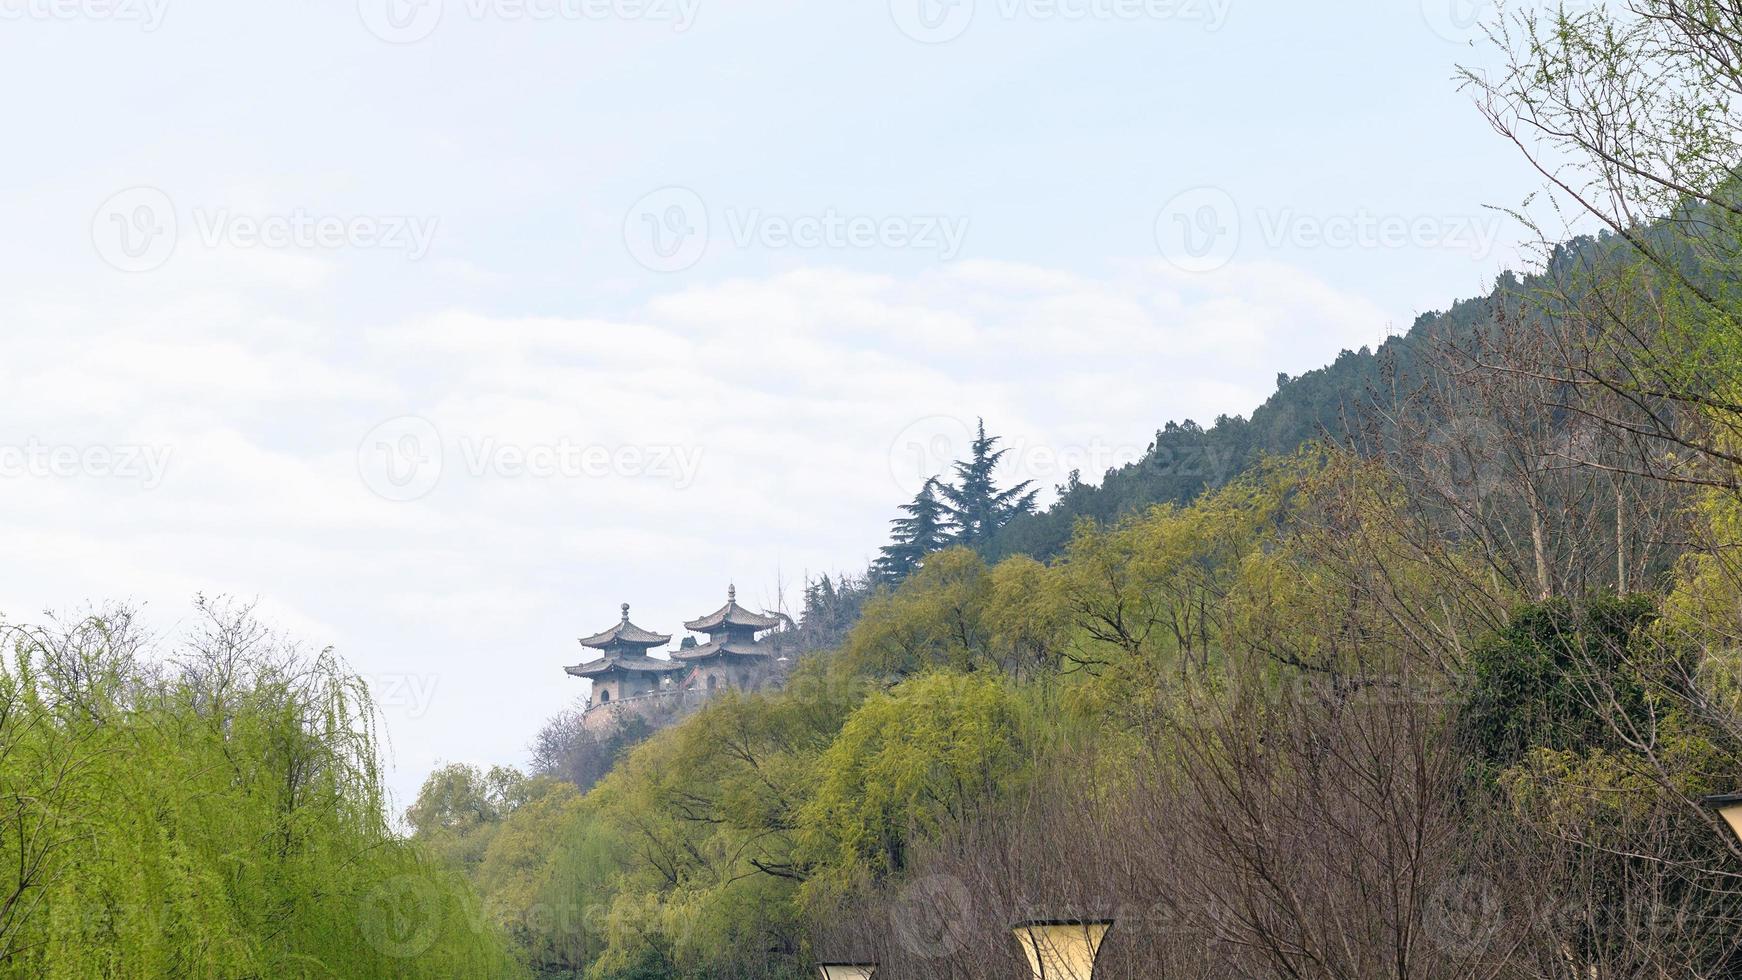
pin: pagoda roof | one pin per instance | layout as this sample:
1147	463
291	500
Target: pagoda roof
630	662
732	614
625	634
722	647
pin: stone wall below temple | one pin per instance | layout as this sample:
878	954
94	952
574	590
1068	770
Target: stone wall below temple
658	709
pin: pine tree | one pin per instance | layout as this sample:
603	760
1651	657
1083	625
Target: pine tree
831	607
818	596
925	529
975	504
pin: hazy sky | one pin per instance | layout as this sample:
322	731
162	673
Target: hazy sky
443	327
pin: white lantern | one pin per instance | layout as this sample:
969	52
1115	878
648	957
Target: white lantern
1729	806
1062	949
848	971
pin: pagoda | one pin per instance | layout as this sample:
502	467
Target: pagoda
732	657
625	670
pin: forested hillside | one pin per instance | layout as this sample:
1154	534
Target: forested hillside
1186	458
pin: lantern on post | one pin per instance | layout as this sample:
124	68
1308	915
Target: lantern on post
847	971
1729	806
1062	949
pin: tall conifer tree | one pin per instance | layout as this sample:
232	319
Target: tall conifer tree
925	529
975	504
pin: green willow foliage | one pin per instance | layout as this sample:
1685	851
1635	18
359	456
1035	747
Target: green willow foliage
214	813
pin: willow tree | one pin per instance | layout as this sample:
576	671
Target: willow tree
211	809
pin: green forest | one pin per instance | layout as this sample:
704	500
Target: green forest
1422	670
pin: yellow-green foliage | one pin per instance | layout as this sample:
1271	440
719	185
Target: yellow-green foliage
220	818
513	866
1029	617
931	750
936	617
460	808
1706	605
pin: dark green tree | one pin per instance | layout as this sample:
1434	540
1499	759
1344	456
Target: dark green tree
831	607
1547	678
819	595
925	529
974	503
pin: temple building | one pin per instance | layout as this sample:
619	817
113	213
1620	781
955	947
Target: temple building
625	671
630	683
732	657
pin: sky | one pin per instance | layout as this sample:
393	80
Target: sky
442	327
